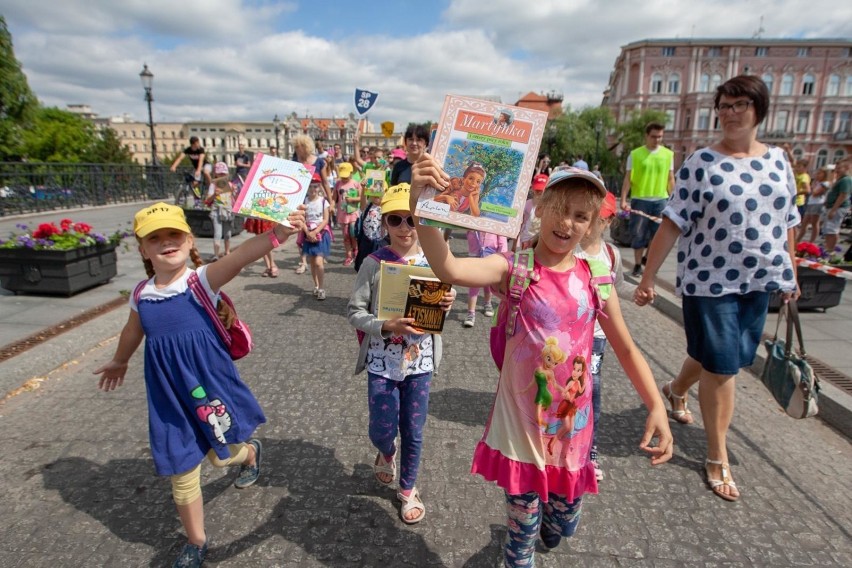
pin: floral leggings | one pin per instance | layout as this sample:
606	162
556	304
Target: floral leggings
399	406
528	515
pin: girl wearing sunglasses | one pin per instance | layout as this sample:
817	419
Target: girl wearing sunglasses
399	359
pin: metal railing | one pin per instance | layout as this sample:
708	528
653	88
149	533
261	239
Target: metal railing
35	187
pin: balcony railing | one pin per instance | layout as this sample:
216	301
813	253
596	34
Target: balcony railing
33	187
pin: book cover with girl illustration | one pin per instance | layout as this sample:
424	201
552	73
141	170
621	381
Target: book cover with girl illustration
489	150
273	189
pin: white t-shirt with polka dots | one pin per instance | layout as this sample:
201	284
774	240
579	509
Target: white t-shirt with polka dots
733	214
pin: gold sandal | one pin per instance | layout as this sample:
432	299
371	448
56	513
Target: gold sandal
683	416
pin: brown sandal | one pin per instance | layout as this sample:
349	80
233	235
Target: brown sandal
683	416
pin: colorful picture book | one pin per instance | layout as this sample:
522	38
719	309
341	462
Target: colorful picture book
490	151
273	188
424	303
393	287
374	183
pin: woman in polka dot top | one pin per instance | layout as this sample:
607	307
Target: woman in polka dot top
734	210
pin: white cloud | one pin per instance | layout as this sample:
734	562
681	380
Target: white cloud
248	59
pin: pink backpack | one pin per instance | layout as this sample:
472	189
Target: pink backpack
523	264
237	338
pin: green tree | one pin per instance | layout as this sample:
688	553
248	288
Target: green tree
59	136
17	103
108	149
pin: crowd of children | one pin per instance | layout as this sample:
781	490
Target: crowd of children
540	441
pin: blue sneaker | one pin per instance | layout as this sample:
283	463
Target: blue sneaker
249	473
191	556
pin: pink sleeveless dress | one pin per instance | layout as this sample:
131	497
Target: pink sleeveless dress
539	432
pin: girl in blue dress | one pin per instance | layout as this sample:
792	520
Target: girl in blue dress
197	404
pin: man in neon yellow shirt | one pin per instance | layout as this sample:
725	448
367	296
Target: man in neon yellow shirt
649	180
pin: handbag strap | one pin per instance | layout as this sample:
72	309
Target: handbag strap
201	294
793	317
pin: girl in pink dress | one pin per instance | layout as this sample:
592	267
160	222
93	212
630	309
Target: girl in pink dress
544	489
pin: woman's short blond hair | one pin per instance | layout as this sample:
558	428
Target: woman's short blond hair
304	141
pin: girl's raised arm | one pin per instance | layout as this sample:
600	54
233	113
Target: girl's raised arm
471	272
221	272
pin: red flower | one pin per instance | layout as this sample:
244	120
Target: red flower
806	248
45	230
65	223
82	228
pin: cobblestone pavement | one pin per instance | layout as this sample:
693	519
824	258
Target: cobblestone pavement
79	487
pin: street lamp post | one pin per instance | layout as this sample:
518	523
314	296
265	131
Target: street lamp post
598	129
276	124
147	80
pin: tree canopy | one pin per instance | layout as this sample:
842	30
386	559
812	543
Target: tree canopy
18	104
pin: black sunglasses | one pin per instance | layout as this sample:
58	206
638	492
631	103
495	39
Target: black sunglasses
395	220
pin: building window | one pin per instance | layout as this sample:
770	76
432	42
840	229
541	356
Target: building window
656	83
668	51
673	86
769	80
703	118
715	81
704	83
828	121
808	84
786	84
687	121
821	158
761	51
845	119
715	122
832	89
144	134
714	51
670	119
803	52
134	147
802	121
848	86
781	119
798	153
839	154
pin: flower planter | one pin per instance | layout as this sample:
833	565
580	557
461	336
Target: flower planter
57	272
819	290
202	225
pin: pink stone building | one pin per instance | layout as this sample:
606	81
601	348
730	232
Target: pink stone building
810	81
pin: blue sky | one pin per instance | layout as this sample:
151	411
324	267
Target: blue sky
252	59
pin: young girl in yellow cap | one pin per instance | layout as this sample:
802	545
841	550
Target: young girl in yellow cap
197	404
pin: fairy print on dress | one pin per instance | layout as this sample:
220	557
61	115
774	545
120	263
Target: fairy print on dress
568	420
544	378
213	413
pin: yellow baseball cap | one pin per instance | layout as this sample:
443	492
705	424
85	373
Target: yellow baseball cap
159	216
396	198
344	169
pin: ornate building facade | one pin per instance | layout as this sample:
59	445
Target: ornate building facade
810	83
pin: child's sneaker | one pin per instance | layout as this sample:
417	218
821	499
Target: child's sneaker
191	556
249	473
316	292
489	310
320	294
470	320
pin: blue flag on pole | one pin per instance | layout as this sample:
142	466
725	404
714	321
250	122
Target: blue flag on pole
364	101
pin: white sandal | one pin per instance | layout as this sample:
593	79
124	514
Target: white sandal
683	416
382	466
715	484
411	503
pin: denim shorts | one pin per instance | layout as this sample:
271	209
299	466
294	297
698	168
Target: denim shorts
642	229
723	333
831	225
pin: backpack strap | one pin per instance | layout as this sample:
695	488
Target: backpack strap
601	281
519	280
137	292
201	295
387	254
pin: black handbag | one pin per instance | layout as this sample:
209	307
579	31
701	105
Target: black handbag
788	376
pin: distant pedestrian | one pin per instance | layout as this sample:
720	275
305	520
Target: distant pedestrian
201	168
734	215
816	204
480	245
416	138
544	482
837	205
220	200
399	360
372	234
580	163
242	161
648	181
348	193
197	404
317	236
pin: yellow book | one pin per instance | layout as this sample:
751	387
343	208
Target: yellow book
393	287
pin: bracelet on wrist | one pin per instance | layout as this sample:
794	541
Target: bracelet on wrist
274	239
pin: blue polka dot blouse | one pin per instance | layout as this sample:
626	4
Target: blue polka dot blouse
733	214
